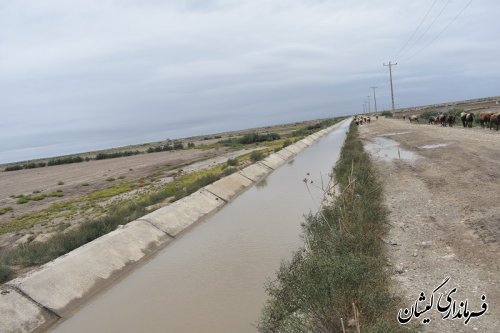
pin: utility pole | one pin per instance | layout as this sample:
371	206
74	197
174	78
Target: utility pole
392	90
375	98
369	107
364	108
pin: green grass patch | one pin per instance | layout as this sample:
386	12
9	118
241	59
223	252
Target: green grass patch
110	179
5	209
56	194
22	200
5	273
342	267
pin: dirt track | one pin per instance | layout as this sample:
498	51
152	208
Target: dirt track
444	207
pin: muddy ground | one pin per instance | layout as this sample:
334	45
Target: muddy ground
442	187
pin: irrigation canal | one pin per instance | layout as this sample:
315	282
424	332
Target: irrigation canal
212	278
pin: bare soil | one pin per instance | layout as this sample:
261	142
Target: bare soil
445	216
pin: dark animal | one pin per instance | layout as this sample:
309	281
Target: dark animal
404	117
432	120
450	120
463	117
413	118
442	120
376	117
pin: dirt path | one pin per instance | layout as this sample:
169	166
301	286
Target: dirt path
442	188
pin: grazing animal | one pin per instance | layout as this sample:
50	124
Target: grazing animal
404	117
442	120
463	117
376	117
450	120
413	118
469	119
495	120
432	120
484	118
368	119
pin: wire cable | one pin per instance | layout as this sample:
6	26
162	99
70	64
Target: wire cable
442	31
428	28
422	20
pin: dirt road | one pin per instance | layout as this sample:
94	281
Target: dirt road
442	188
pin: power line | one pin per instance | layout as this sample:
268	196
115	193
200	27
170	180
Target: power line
428	28
422	20
442	31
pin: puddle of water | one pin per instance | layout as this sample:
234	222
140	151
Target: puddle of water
212	278
436	145
388	150
395	133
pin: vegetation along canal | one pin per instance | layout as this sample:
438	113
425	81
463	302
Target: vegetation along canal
212	278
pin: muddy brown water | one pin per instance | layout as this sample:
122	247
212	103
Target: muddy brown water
212	278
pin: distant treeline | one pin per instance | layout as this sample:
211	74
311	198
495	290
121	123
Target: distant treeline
250	138
307	130
55	161
168	147
104	156
99	156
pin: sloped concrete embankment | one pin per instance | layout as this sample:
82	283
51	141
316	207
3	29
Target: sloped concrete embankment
35	301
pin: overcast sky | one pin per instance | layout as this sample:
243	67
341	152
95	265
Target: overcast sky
83	75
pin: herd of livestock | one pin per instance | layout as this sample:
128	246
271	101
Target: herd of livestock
486	119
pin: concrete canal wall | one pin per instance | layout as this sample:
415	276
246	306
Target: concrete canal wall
38	299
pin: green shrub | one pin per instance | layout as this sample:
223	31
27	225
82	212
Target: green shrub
56	194
256	155
104	156
23	200
232	162
178	145
5	209
191	145
13	167
60	182
110	179
38	197
5	273
286	143
229	171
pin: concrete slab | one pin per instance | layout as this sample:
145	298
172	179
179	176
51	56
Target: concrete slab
20	314
256	171
314	136
294	149
228	187
307	141
273	161
178	216
301	145
66	282
285	154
